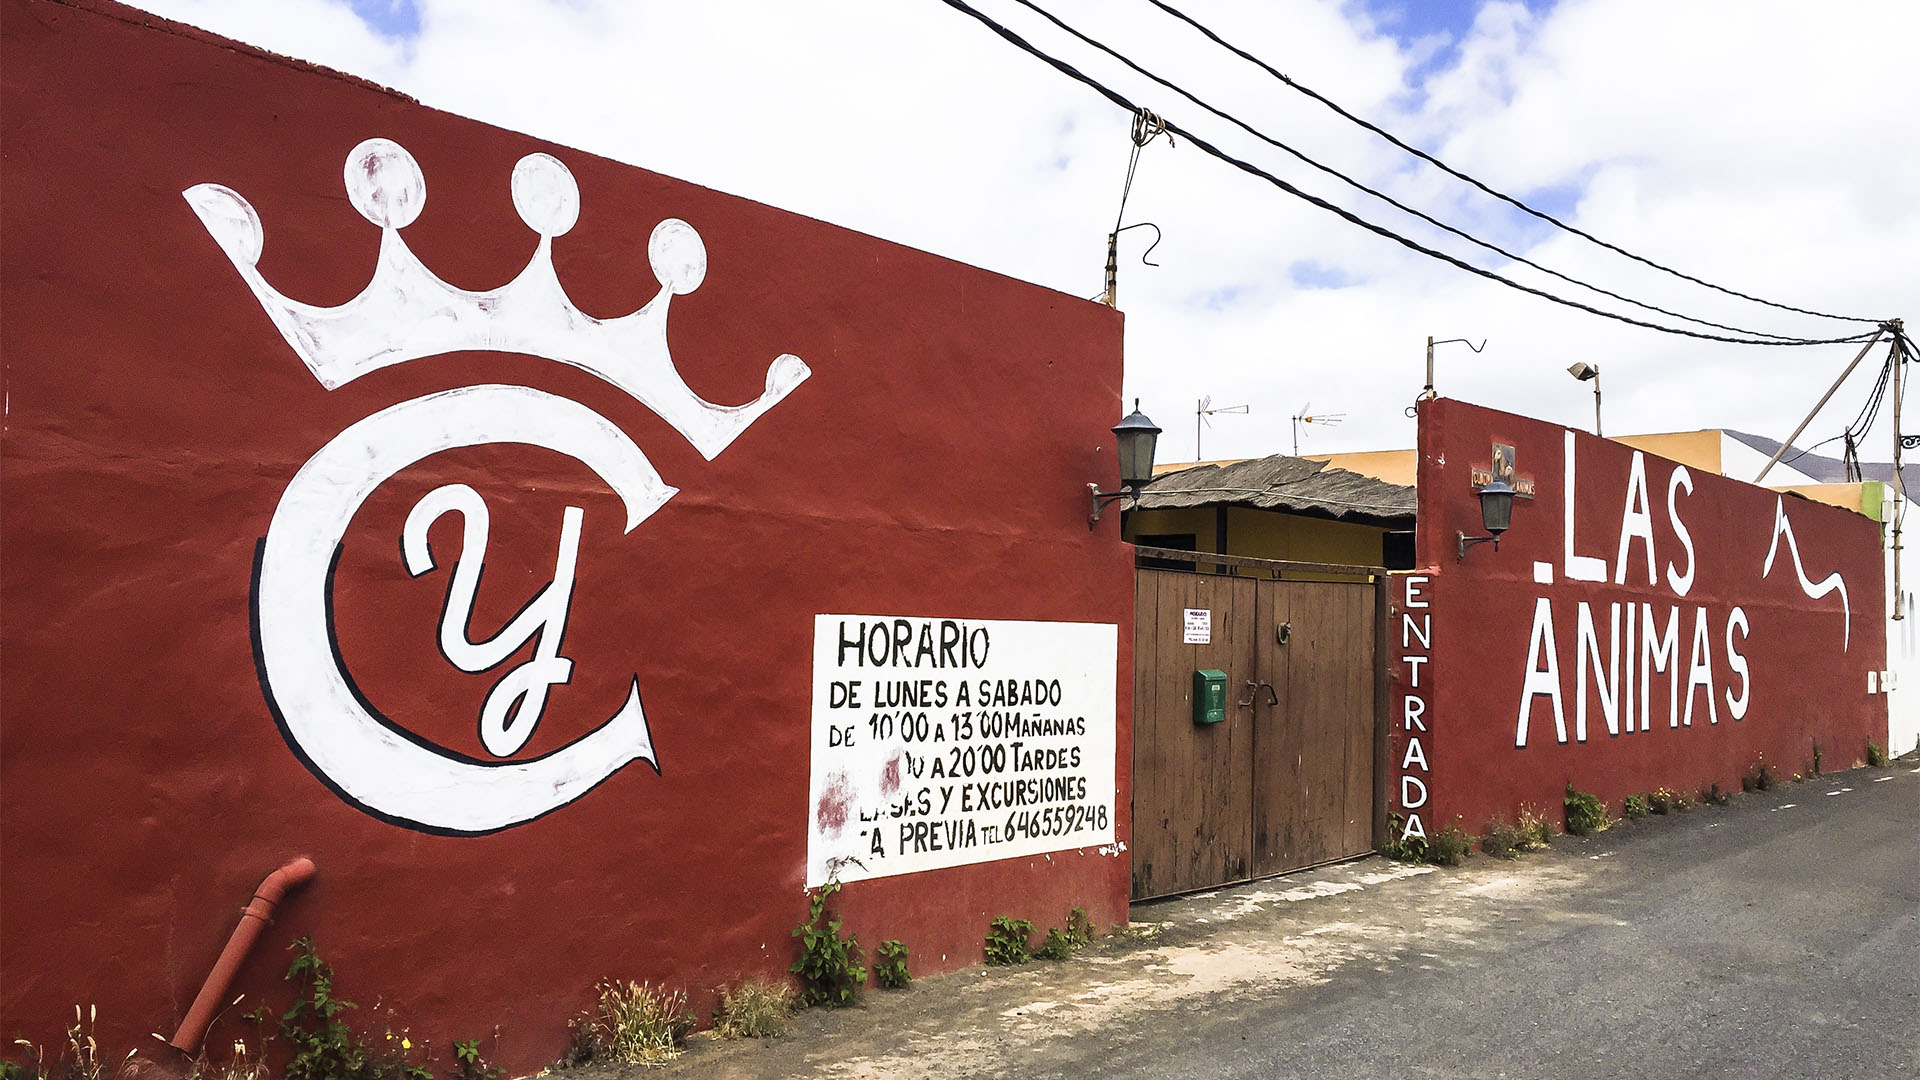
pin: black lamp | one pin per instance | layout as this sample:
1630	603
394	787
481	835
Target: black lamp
1134	438
1496	514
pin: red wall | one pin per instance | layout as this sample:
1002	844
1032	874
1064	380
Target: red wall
934	464
1806	664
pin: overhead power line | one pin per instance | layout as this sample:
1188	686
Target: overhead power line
1351	182
1248	167
1457	174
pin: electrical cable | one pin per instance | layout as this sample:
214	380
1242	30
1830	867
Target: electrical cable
1351	182
1123	102
1457	174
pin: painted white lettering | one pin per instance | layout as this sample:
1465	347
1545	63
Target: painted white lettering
1413	665
1409	784
1587	656
1415	582
1659	652
1700	670
1415	755
1413	828
1737	707
1636	521
1577	567
1630	661
1543	674
1423	630
1412	711
513	707
1680	583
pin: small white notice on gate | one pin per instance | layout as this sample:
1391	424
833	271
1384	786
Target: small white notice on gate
943	742
1199	627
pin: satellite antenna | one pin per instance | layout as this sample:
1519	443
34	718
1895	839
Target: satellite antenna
1205	408
1307	416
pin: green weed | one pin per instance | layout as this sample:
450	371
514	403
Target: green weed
1007	940
829	965
1586	814
890	965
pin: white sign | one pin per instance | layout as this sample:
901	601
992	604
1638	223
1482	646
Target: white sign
944	742
1199	627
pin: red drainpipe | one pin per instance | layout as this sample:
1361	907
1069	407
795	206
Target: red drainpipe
213	992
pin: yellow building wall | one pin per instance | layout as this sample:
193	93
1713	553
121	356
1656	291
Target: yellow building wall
1265	534
1694	449
1867	498
1393	466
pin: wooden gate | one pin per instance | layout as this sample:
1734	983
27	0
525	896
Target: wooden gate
1288	779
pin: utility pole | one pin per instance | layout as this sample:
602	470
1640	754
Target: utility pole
1899	361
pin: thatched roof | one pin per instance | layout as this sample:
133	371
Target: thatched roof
1285	484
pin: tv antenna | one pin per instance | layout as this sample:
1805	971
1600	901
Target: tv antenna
1205	408
1308	417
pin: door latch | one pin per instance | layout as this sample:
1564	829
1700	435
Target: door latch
1253	692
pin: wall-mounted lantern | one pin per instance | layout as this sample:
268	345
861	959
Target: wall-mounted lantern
1134	438
1496	513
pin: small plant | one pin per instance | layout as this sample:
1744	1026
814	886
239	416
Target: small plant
1636	807
890	965
1057	945
1813	767
1876	757
1007	940
1713	795
1079	928
242	1064
829	966
582	1047
1586	814
1536	832
640	1024
1502	839
1760	779
324	1047
1400	846
470	1064
1449	846
1660	801
756	1009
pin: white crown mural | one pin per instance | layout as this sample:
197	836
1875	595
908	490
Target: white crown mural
406	312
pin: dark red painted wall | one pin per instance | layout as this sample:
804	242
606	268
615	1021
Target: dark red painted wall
1806	662
934	464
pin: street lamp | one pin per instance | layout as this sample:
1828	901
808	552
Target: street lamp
1134	438
1496	514
1584	371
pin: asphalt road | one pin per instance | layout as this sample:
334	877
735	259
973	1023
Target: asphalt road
1775	938
1781	940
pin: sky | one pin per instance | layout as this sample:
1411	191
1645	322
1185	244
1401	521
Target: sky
1763	145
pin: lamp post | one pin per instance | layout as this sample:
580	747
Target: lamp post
1134	439
1585	371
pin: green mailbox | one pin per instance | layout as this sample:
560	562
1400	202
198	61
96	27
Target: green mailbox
1209	696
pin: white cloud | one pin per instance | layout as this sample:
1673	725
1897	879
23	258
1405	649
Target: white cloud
1760	148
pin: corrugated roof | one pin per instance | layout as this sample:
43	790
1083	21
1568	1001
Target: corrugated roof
1827	470
1290	484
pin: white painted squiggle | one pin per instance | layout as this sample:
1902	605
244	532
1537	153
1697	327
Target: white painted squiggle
1807	585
